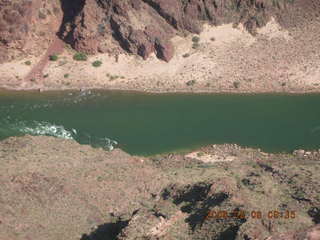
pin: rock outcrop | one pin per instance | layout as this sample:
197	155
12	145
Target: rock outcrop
94	194
27	27
137	26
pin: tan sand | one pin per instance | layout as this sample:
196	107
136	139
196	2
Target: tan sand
210	158
228	59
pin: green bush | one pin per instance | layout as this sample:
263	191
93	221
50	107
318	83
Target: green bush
114	77
186	55
80	56
28	63
53	57
97	63
66	75
195	39
200	154
46	75
191	82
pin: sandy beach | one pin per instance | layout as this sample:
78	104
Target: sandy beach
225	59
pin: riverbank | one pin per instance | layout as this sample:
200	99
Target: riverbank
225	59
98	194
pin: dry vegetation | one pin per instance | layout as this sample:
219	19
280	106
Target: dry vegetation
110	195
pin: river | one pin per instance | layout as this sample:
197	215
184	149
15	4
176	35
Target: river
148	124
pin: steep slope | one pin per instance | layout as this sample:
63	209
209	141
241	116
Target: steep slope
137	26
57	189
27	27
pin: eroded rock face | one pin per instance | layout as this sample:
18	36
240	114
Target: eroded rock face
27	26
137	26
145	26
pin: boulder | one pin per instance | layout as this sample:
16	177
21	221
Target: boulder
299	152
165	50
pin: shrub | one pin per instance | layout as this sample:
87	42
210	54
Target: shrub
191	82
113	77
195	45
80	56
97	63
46	75
186	55
28	63
66	75
236	84
200	154
212	39
195	39
53	57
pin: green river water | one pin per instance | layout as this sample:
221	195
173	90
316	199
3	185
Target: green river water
146	124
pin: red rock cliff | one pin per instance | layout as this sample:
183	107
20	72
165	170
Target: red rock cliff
137	26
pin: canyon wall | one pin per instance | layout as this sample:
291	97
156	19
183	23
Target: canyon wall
138	27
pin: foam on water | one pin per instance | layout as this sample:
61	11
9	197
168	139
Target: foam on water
9	127
36	128
46	129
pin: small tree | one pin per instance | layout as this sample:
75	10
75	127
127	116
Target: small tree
195	39
80	56
53	57
97	63
191	82
28	63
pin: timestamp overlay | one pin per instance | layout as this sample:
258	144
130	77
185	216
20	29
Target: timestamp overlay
255	214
